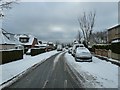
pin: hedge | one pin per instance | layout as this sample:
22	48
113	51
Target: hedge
35	51
107	47
115	47
9	56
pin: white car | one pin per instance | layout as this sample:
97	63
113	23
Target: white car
83	54
74	48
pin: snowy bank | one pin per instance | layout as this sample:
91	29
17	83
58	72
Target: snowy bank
96	74
12	69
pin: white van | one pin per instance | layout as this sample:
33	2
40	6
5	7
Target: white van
59	47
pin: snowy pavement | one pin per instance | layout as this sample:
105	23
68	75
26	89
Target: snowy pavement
96	74
12	69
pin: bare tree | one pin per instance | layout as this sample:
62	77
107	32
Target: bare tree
79	36
100	37
86	22
6	4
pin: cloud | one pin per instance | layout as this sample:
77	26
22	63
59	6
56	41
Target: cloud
57	21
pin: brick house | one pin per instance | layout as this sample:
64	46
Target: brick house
114	33
114	37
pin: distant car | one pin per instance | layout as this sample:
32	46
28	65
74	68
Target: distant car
74	48
83	54
59	47
66	47
70	50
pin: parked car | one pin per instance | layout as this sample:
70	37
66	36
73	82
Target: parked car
74	48
66	47
59	47
83	54
70	50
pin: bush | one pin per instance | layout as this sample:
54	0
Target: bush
115	47
9	56
35	51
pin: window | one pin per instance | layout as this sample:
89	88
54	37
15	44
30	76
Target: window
24	40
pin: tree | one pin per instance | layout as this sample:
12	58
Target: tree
79	36
6	4
86	23
100	37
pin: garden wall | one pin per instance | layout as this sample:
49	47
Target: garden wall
108	50
36	51
10	55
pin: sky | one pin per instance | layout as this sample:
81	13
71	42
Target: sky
57	21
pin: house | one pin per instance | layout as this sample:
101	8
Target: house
114	33
42	44
8	41
50	46
28	41
114	40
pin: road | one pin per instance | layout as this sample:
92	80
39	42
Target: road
53	73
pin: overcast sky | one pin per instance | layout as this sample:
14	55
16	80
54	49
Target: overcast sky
52	21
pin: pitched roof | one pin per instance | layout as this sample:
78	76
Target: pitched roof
5	39
114	26
30	41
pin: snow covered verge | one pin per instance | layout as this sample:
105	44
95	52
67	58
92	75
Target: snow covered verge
96	74
117	62
16	68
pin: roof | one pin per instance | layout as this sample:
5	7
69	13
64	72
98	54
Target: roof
114	26
5	39
23	35
116	41
30	41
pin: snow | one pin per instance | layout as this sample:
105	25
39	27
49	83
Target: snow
23	35
113	26
115	41
12	69
10	49
31	38
4	38
29	51
96	74
82	52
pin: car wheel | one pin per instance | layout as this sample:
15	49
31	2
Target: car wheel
90	60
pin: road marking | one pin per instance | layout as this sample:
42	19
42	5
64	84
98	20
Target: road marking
45	83
65	84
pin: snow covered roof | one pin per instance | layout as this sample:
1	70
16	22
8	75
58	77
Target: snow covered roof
41	45
117	25
30	41
23	35
116	41
4	39
44	42
50	42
